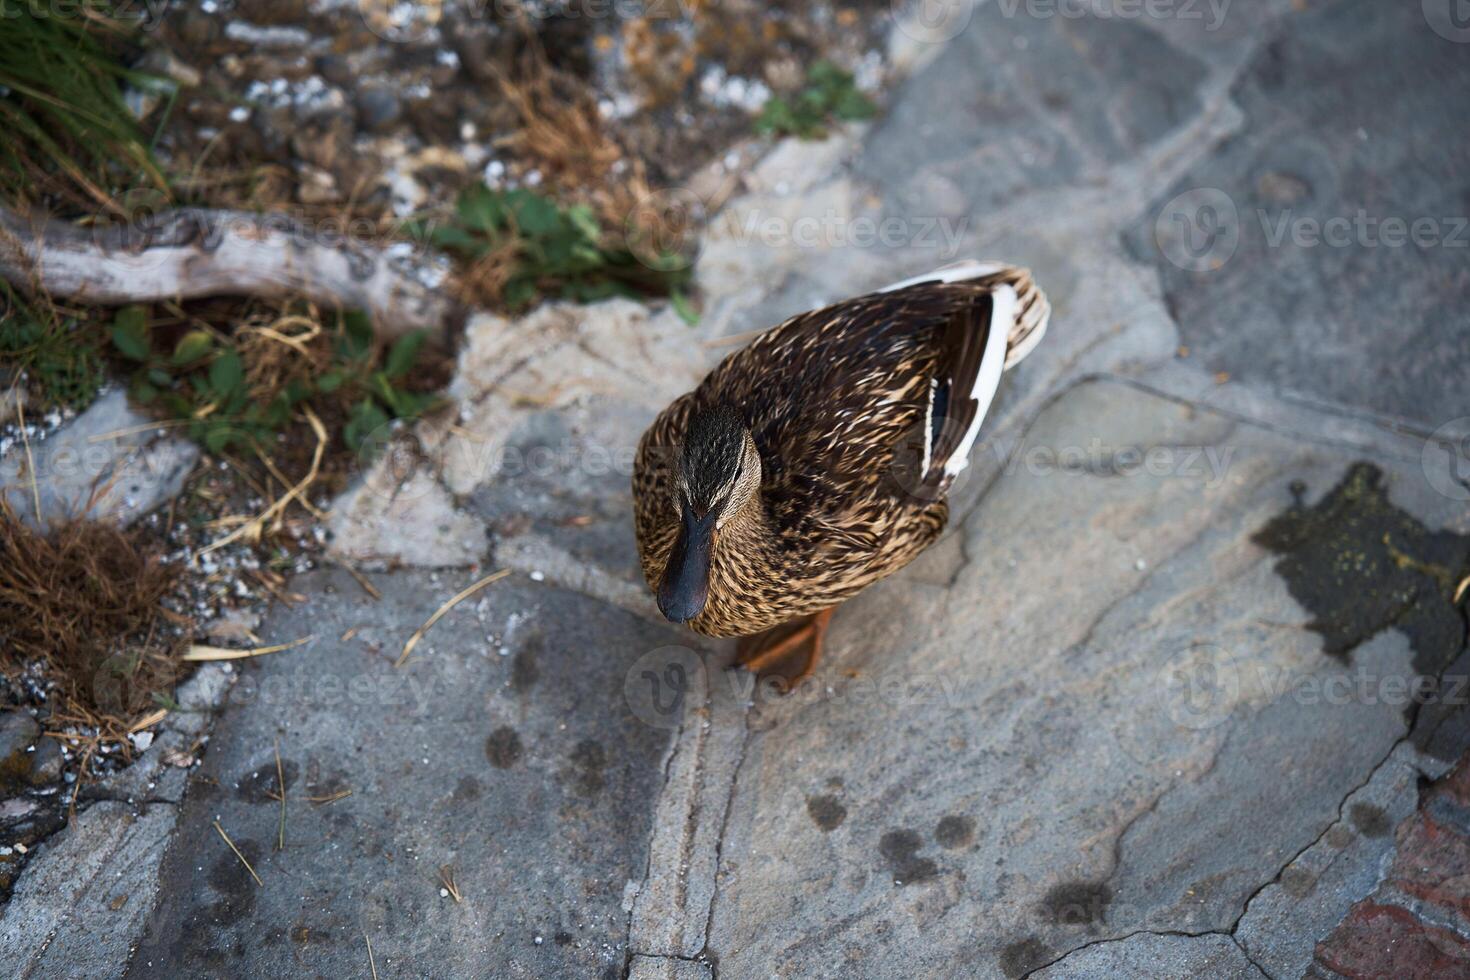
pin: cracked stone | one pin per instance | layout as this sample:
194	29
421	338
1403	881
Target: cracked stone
1148	742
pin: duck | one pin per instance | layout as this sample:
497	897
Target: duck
818	459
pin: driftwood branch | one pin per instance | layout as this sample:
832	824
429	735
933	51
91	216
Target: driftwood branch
193	253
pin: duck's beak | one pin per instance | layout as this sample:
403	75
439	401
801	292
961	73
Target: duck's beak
685	587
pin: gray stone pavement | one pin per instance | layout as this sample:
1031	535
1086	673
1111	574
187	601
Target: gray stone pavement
1145	710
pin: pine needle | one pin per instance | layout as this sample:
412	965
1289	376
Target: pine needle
200	652
238	854
281	788
148	720
362	580
20	415
341	794
418	634
446	878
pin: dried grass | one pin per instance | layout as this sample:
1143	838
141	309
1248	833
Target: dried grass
446	881
238	854
200	652
483	281
455	600
562	134
280	348
86	600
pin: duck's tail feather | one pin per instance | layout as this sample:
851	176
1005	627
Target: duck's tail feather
1032	310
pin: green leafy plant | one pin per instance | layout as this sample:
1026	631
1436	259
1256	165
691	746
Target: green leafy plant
67	126
60	356
202	378
829	94
543	249
375	389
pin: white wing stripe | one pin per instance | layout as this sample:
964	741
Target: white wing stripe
987	379
959	272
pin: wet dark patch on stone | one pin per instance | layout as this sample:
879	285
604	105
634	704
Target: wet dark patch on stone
1370	820
900	849
1360	565
1023	956
503	748
827	812
562	939
236	888
1077	903
588	760
468	788
262	785
1340	837
955	830
1298	883
523	670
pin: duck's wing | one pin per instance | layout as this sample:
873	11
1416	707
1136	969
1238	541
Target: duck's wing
831	395
1033	312
970	364
995	317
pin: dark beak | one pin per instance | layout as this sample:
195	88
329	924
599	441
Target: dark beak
682	593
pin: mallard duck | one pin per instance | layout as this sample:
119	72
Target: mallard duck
817	459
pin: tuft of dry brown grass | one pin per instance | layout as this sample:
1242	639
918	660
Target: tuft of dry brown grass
279	347
562	133
85	599
483	281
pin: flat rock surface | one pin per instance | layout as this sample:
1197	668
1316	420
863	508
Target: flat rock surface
107	462
1333	261
501	756
1163	699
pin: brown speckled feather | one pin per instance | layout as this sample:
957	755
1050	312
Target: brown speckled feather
836	400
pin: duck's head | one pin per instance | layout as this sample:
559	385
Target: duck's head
718	478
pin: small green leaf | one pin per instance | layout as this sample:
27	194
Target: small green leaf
520	292
366	418
852	105
192	346
357	334
403	353
684	307
226	373
455	239
535	216
482	209
218	436
142	392
130	333
330	382
584	220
